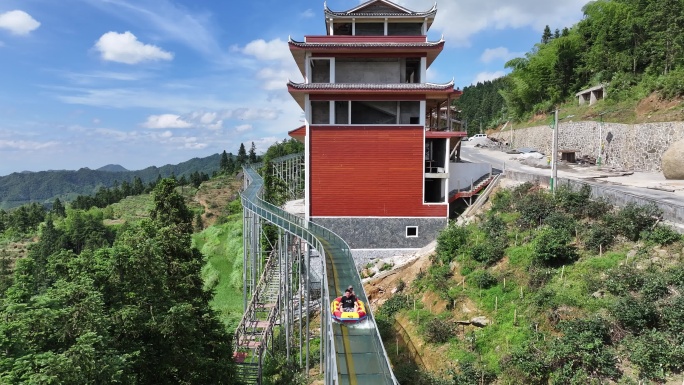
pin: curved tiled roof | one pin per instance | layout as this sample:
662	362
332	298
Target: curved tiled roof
429	13
428	44
372	86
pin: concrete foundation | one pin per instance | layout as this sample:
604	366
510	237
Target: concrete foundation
384	233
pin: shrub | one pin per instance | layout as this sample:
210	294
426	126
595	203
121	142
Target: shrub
386	266
482	279
673	314
573	202
488	252
599	236
672	84
534	207
494	227
561	222
538	277
439	330
598	208
401	285
471	374
438	277
384	326
450	241
552	248
632	219
502	201
393	305
662	235
654	286
634	314
654	354
623	279
584	350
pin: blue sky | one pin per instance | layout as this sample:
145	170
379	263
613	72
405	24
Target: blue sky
86	83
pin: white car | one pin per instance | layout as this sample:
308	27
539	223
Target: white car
476	136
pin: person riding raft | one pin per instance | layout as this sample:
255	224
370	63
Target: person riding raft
348	301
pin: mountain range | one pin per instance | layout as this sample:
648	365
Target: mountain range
21	188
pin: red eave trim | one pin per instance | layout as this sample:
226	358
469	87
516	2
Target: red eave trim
319	91
364	39
299	132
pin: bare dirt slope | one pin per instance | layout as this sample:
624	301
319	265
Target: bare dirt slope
214	195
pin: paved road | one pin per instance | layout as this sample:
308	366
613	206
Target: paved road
634	184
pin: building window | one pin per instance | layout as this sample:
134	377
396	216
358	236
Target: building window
342	112
411	231
370	29
405	29
320	112
320	70
366	112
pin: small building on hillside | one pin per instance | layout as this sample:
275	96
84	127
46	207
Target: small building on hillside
591	95
378	136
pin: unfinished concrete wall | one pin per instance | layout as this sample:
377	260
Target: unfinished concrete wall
371	72
636	147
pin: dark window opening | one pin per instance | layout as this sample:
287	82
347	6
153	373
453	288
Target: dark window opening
370	29
412	70
434	190
411	231
405	29
320	112
320	71
342	112
342	29
374	112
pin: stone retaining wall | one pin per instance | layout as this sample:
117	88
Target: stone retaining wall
637	147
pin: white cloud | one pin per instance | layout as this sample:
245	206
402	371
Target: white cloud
166	134
499	53
459	20
171	20
2	43
309	13
25	145
166	121
253	114
18	22
243	127
275	49
280	65
126	48
484	76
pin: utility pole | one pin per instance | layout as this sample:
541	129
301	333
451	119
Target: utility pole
554	153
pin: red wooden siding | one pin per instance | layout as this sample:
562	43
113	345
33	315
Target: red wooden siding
374	171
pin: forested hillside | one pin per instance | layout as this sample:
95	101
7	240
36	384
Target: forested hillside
97	304
636	47
43	187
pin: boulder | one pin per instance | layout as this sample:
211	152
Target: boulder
673	161
480	321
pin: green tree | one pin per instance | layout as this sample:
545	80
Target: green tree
58	208
241	155
546	35
252	157
223	164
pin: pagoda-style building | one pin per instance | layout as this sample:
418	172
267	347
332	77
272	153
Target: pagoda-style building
378	137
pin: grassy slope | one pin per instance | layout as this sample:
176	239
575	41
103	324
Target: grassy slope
566	294
222	246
